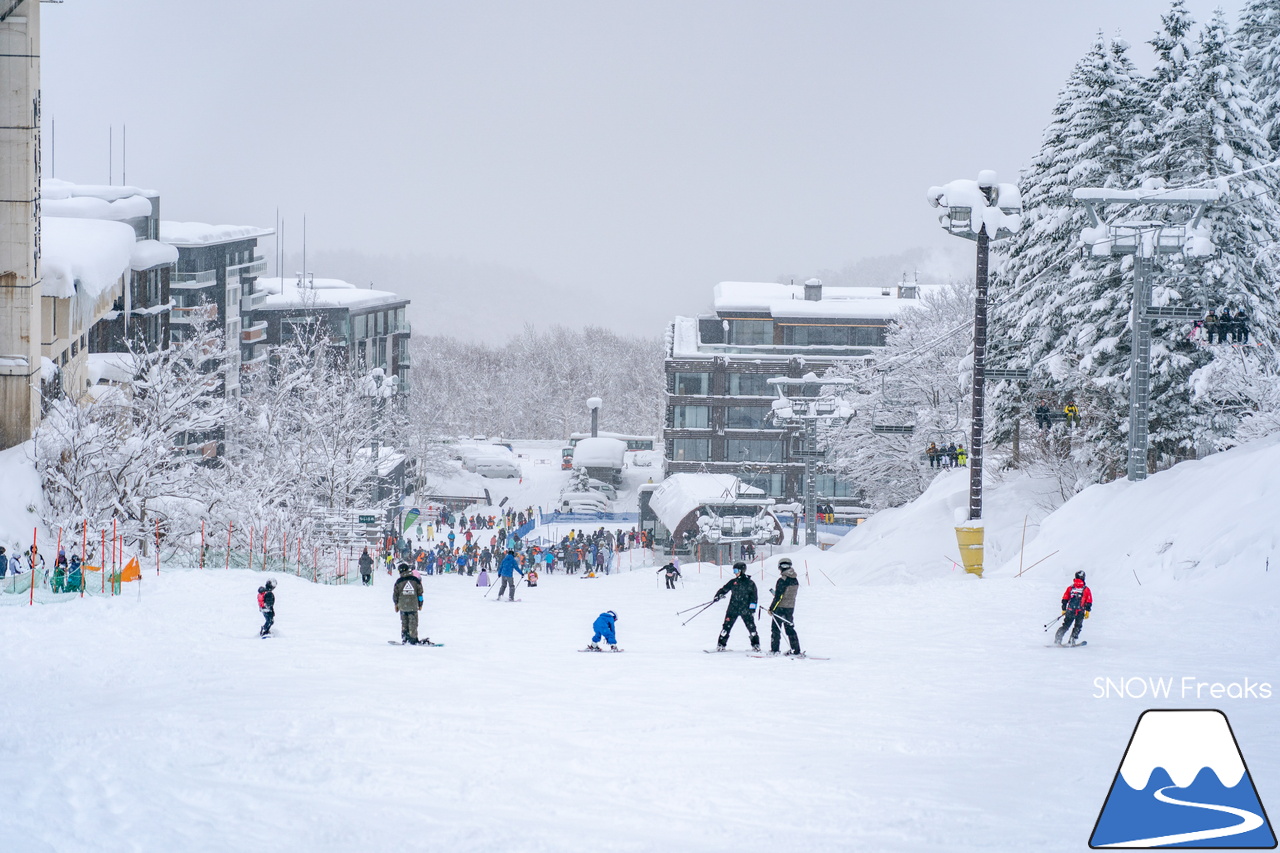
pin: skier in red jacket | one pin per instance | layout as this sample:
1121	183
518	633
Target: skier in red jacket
1077	601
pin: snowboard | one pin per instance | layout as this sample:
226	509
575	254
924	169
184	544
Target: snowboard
398	643
1067	645
602	650
510	600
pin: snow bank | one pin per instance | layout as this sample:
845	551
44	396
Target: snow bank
1217	518
85	254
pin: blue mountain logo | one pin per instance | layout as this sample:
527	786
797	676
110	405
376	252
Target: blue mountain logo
1183	783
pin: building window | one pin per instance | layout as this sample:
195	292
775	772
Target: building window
693	384
746	417
750	385
362	326
753	450
690	417
751	332
832	336
831	486
690	449
380	323
770	484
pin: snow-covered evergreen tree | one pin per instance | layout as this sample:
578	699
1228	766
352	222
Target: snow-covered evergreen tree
1207	133
1259	37
1054	307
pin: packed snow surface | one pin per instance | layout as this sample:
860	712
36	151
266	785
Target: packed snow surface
158	720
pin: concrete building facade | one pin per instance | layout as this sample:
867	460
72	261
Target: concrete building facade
717	370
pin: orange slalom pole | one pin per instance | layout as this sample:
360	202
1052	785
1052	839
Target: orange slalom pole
250	547
102	558
202	543
157	551
230	526
265	528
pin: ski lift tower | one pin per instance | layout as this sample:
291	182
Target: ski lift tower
981	210
805	403
1145	239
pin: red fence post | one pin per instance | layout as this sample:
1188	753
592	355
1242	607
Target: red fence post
230	526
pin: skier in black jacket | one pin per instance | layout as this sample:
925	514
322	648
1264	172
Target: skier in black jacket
783	609
742	604
366	567
672	574
406	595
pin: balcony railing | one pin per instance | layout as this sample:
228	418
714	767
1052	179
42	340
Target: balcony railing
187	316
257	266
253	334
193	280
251	301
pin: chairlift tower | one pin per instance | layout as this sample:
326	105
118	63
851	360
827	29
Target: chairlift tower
1145	240
803	404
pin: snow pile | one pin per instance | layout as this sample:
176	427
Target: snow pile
85	255
203	234
1214	519
132	207
599	453
681	494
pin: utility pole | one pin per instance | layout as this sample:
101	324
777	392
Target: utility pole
1145	240
980	210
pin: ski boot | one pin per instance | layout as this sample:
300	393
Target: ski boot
794	654
592	647
755	647
614	648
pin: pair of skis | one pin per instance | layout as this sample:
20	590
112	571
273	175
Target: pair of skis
801	656
419	643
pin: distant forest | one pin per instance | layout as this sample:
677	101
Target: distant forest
536	384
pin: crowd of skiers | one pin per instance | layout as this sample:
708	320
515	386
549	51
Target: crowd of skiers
67	574
951	456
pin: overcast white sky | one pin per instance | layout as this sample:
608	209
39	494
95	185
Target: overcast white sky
624	155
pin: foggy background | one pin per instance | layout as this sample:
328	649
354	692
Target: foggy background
572	162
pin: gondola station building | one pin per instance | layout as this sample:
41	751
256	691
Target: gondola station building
718	365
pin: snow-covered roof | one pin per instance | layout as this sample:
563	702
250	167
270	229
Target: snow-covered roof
152	253
55	188
321	293
684	338
1190	196
599	453
202	234
681	494
91	254
786	301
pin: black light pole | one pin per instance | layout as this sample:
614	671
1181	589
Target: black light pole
979	375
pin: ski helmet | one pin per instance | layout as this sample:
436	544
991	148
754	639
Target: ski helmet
261	590
739	566
271	584
404	568
612	615
1080	575
784	564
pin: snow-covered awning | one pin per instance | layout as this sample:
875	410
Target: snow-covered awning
90	255
681	494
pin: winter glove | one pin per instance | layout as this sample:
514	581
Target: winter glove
419	600
751	607
1086	614
1064	611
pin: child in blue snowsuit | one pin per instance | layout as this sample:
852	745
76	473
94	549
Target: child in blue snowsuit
603	627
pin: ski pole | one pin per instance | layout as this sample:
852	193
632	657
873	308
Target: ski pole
699	613
1054	622
694	607
781	618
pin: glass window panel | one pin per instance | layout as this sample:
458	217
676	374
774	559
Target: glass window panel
750	385
362	326
751	332
690	417
693	384
746	417
690	449
753	450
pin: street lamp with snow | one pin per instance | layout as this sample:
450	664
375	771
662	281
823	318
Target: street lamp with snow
981	210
